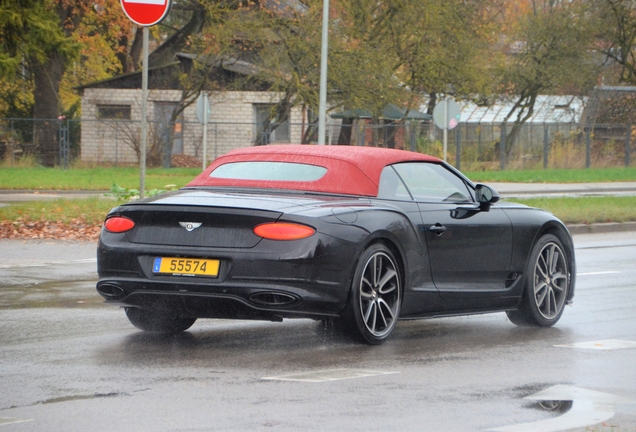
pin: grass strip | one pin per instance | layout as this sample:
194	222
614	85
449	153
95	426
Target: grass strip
19	178
596	175
90	210
28	178
575	210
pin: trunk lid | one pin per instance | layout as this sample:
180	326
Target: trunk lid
208	218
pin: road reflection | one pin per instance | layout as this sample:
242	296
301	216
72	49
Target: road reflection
309	344
556	406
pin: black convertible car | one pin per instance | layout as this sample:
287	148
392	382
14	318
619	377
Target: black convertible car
363	236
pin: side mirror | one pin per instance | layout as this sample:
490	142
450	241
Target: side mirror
486	194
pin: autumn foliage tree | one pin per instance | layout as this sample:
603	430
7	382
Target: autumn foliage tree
48	46
401	52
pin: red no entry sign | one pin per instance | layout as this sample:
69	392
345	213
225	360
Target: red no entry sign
146	13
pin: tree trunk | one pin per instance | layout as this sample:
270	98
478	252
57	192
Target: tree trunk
524	107
165	52
432	101
46	110
135	51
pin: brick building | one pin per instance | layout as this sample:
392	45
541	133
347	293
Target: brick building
111	116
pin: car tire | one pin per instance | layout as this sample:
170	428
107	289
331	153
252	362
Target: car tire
152	321
376	296
547	284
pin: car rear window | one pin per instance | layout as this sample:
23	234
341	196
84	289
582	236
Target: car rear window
280	171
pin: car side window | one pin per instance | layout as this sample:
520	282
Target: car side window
431	182
391	187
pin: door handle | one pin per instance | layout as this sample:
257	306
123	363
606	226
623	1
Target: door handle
438	229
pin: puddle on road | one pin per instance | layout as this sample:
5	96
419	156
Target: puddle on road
75	294
550	421
570	408
555	406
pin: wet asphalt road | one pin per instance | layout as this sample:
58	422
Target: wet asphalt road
70	363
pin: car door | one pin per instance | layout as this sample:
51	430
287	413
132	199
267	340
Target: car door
469	245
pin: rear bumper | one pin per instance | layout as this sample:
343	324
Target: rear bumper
251	300
309	278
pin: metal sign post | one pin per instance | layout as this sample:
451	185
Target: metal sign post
445	129
203	115
446	115
145	13
144	108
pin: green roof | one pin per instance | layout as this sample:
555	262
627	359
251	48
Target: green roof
390	112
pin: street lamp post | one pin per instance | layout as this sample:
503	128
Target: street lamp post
322	111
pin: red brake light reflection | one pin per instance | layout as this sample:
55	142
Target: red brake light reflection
118	224
283	231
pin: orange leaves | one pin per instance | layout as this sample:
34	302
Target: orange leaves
75	229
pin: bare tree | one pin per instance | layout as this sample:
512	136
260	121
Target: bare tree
549	54
616	38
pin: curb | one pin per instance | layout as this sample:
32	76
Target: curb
596	228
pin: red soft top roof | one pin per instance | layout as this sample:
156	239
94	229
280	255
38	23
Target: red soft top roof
350	170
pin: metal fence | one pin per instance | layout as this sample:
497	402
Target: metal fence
41	139
470	147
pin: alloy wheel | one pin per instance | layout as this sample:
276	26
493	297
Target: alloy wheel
550	281
379	294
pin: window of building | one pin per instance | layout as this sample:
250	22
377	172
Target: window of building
275	132
113	112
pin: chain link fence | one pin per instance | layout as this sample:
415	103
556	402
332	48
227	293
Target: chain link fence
470	146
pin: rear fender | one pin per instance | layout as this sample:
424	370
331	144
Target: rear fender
398	233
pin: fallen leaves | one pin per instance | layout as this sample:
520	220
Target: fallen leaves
75	229
185	161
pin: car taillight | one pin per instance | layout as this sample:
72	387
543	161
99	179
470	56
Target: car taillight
118	224
283	231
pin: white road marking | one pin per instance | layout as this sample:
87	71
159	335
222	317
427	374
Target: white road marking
589	407
328	375
49	263
598	273
12	420
608	344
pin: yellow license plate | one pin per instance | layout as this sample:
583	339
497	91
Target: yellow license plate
186	266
